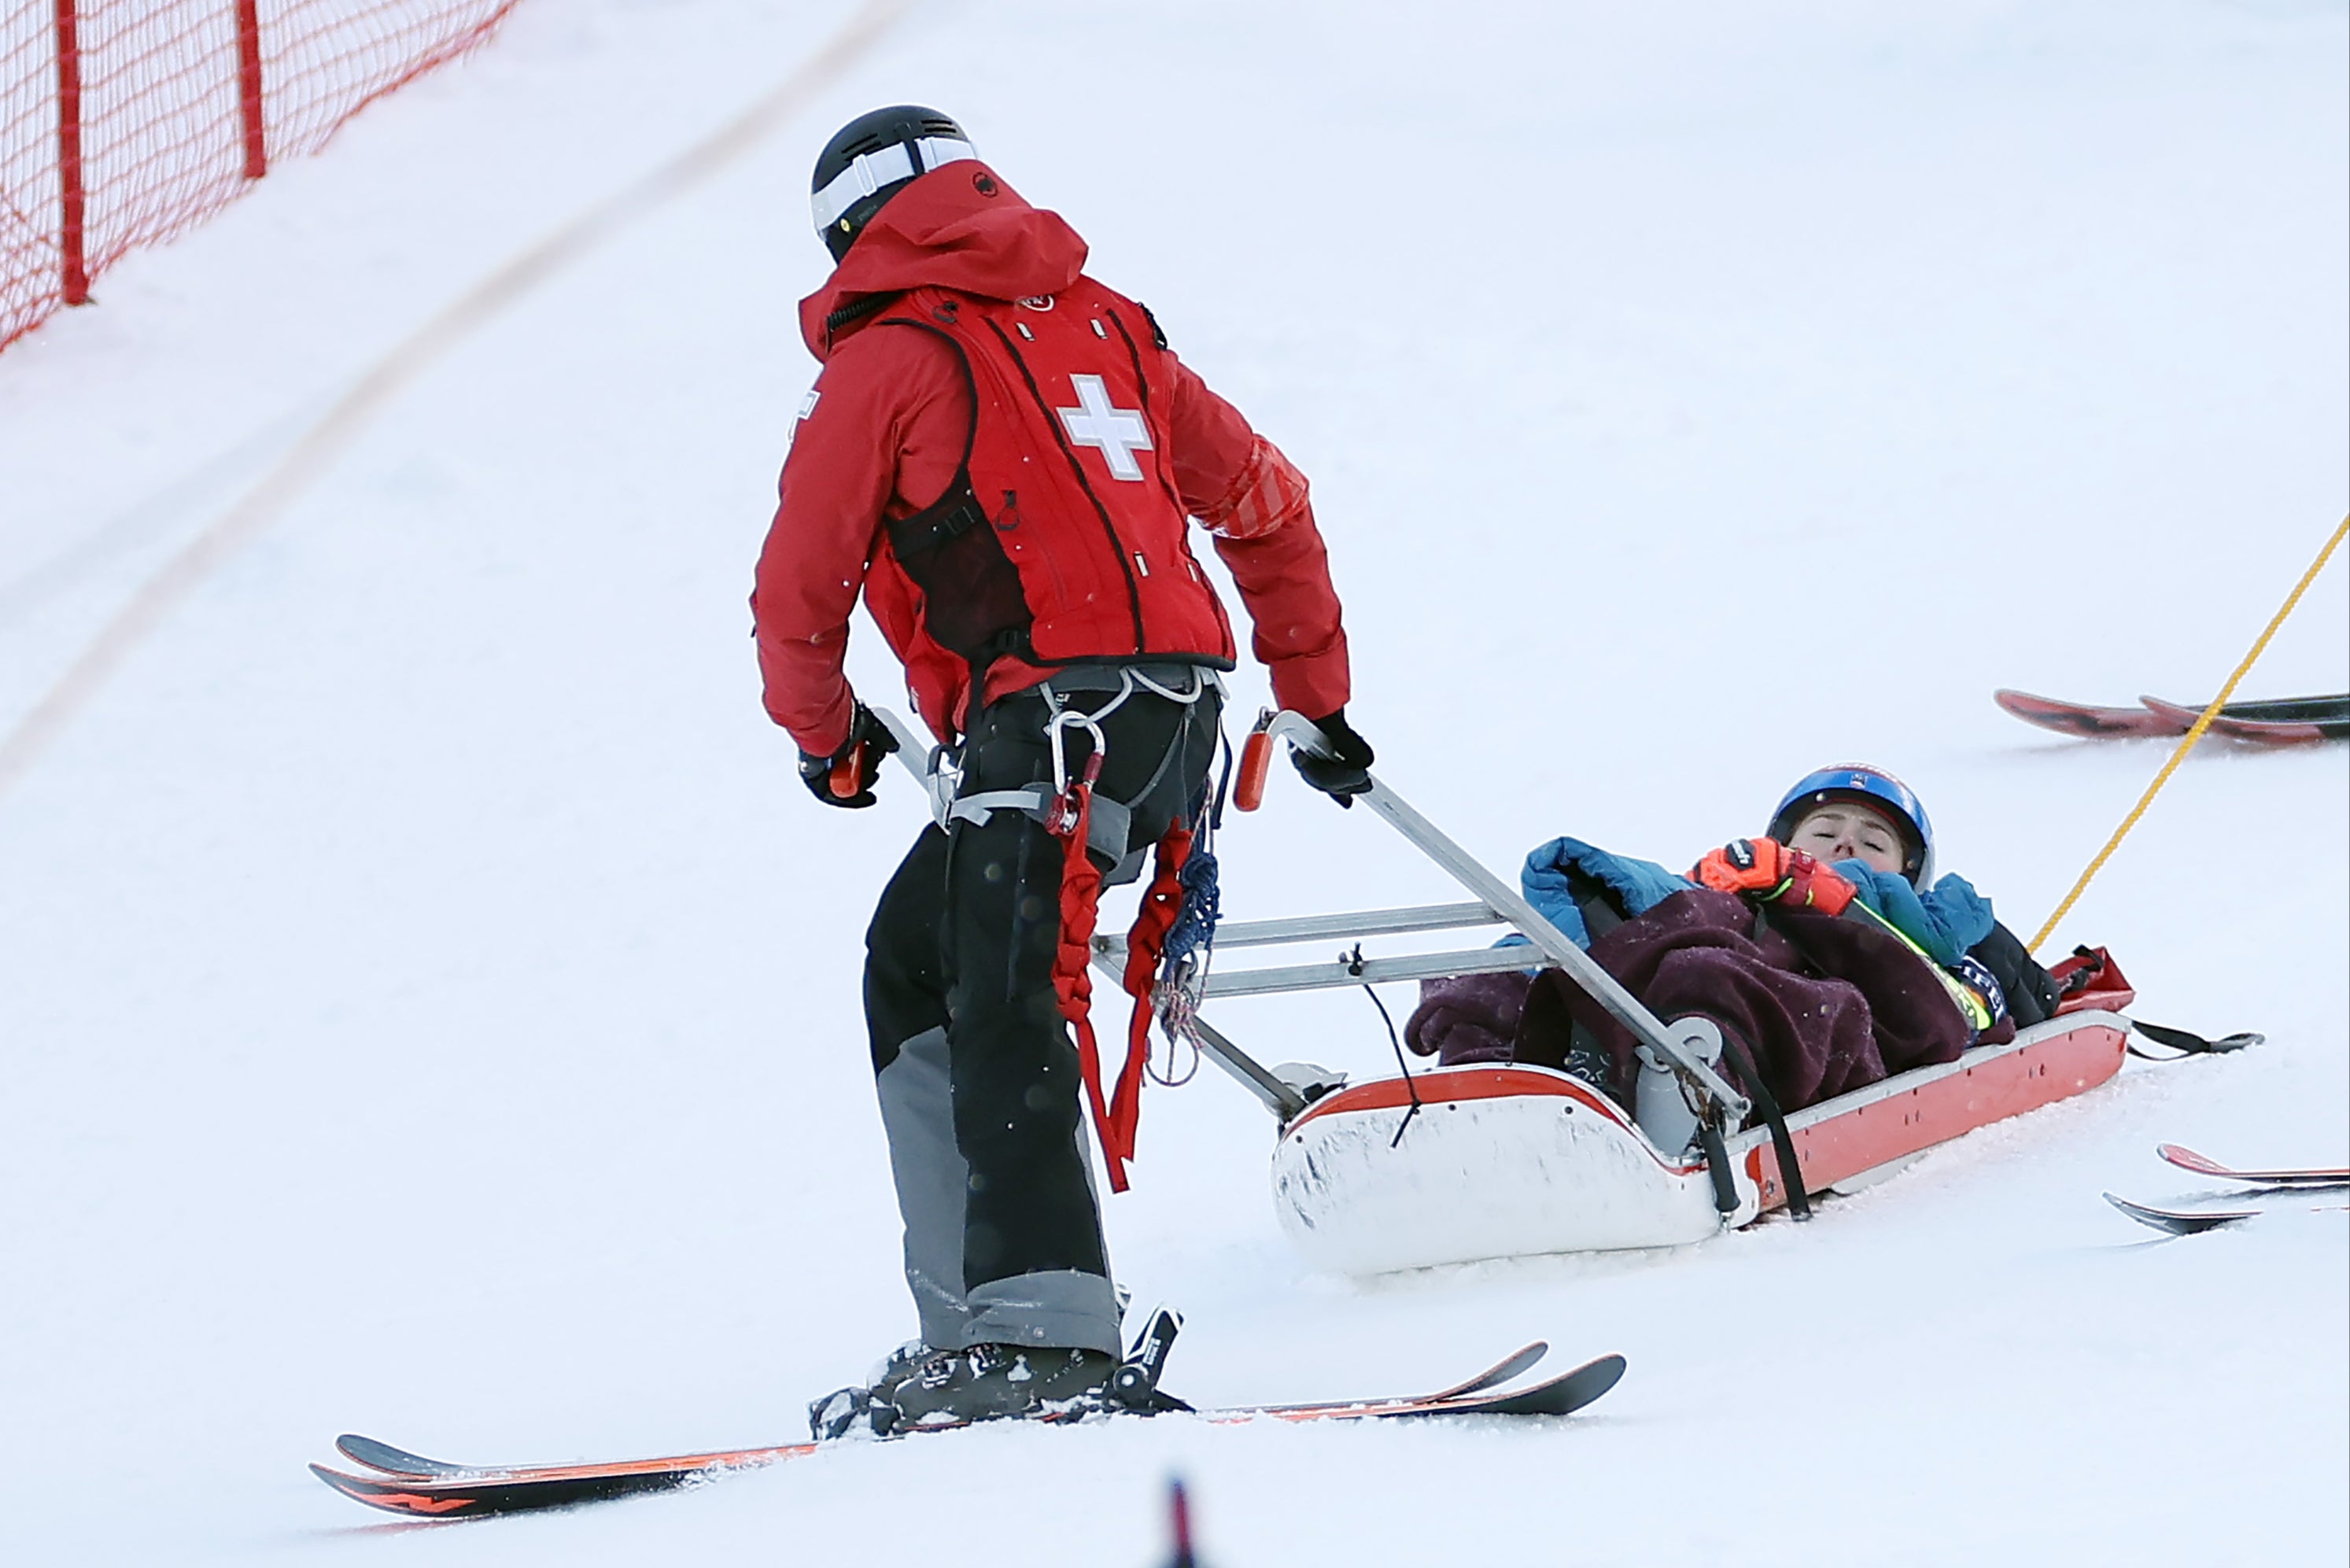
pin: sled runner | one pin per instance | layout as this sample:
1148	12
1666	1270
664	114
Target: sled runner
1455	1164
1503	1161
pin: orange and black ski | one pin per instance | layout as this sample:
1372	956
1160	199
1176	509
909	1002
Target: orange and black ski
423	1488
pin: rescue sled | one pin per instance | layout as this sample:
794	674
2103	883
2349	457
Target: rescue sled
1507	1161
1453	1165
1457	1164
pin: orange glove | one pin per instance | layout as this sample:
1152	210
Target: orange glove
1768	872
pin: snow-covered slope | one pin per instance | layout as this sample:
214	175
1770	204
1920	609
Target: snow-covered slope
429	1004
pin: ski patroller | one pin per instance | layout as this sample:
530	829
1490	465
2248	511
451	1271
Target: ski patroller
2186	1158
2284	721
424	1487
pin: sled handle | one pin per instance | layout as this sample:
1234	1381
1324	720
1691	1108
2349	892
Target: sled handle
846	771
1507	901
1256	757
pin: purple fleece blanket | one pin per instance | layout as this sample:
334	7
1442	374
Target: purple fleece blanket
1468	1017
1824	1005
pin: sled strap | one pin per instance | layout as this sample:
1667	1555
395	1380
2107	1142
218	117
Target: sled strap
1717	1163
1782	1142
2091	966
2187	1044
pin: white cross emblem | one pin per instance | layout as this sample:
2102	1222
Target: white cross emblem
1119	433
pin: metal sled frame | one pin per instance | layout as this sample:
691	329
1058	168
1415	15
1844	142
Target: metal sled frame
1497	903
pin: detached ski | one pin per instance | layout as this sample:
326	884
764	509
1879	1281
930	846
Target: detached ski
2187	1222
2080	719
2279	723
424	1487
2291	720
2204	1165
2178	1222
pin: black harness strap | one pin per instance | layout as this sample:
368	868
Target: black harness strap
1717	1162
1782	1142
2187	1044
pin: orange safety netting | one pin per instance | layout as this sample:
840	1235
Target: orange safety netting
124	121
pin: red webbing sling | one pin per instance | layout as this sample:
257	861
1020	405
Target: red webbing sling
1145	945
1117	1115
1071	819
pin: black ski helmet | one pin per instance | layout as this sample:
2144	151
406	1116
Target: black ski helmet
870	159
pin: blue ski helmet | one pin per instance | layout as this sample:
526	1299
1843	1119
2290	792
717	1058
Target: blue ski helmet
1869	787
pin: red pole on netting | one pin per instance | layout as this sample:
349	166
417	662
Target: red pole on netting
70	186
248	88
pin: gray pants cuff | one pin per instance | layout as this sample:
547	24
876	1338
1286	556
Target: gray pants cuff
1055	1307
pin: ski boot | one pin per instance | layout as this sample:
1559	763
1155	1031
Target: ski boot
866	1407
993	1382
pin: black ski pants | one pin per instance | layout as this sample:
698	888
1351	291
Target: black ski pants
978	1075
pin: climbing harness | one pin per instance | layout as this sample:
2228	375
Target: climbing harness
1093	828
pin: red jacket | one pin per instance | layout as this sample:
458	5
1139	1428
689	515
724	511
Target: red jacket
882	437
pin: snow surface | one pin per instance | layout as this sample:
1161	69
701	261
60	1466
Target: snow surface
429	1004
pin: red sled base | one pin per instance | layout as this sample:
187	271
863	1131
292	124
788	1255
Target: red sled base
1510	1161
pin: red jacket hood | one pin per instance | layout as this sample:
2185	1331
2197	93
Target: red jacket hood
959	227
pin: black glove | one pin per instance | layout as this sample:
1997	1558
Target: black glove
1346	774
858	759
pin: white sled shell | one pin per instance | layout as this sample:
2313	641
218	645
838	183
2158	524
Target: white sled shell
1508	1162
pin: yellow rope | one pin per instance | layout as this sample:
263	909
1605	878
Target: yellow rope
2187	743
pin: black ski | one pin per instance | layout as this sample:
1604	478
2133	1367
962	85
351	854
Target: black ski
2191	1222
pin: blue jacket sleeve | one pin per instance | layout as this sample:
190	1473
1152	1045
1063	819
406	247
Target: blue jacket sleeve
1640	884
1948	918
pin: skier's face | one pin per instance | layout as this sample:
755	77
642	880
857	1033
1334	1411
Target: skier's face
1844	830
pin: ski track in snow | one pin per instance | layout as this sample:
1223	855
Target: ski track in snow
429	1004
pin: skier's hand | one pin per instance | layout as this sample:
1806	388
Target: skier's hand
1769	872
845	778
1347	774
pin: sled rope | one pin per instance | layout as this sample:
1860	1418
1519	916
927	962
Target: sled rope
2195	733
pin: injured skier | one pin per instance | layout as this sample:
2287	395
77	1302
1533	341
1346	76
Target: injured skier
1825	952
